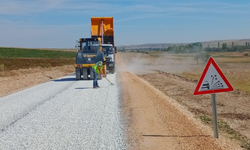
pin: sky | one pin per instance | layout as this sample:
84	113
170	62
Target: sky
59	23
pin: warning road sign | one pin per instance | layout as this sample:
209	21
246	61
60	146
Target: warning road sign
212	80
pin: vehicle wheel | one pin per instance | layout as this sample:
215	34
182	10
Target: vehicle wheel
112	70
78	74
91	74
85	73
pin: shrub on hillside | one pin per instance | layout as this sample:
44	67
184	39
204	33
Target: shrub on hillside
204	56
1	67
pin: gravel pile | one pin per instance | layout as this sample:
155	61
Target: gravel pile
62	114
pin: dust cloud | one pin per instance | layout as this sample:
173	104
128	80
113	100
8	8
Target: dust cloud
144	63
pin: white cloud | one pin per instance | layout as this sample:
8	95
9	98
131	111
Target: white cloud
40	36
23	7
31	33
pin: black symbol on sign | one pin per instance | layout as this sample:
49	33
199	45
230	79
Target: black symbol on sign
217	84
212	85
205	85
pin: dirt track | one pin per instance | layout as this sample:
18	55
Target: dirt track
155	121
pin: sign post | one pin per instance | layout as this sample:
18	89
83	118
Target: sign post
213	81
216	133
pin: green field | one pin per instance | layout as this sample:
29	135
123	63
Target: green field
34	53
19	58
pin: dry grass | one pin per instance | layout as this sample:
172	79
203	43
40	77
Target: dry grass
234	60
239	78
236	72
234	65
231	57
236	68
228	54
189	75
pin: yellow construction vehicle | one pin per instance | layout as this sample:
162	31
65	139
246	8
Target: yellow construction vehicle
103	28
89	52
100	47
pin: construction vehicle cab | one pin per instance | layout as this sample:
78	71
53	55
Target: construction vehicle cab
110	58
88	54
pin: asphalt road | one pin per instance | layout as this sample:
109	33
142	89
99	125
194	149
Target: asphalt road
63	114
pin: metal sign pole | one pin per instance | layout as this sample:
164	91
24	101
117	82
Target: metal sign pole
216	134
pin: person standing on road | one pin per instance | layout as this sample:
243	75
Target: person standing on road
97	69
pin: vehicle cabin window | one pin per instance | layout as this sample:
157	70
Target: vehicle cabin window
90	46
107	50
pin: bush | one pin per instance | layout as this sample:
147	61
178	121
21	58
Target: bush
47	65
1	67
204	56
246	54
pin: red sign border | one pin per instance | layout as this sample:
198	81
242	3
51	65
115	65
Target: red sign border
211	61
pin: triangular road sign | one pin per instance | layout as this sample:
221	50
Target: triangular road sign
212	80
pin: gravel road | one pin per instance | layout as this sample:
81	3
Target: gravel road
63	114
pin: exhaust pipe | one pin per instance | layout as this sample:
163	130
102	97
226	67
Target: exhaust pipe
102	33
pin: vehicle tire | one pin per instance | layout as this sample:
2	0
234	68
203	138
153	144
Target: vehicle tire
85	74
112	70
78	74
91	74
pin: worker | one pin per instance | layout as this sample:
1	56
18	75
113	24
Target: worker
97	69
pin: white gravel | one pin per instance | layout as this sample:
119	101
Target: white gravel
62	114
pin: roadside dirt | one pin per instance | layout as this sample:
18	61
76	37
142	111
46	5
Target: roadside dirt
156	121
24	78
232	107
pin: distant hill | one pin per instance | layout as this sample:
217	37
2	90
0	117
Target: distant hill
146	46
166	45
229	42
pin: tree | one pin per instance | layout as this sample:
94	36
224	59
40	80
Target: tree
232	44
218	44
197	58
204	56
224	46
